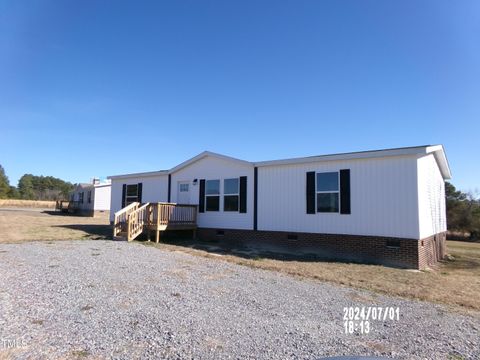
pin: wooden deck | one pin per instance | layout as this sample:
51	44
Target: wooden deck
67	206
136	218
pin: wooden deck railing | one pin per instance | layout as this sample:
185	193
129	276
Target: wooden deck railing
120	221
154	216
137	220
174	215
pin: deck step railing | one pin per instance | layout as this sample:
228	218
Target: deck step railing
120	221
135	218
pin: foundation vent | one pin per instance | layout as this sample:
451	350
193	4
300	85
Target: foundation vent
393	244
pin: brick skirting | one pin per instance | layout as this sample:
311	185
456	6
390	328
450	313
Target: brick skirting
432	249
397	252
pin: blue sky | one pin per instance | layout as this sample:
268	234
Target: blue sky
97	88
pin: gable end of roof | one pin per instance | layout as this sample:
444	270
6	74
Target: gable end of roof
205	154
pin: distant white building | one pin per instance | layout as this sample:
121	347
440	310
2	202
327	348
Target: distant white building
382	206
92	199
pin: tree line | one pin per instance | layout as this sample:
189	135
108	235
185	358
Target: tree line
31	187
463	212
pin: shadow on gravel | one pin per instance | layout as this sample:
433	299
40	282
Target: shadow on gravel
94	231
58	213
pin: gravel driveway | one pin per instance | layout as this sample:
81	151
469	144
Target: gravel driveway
105	299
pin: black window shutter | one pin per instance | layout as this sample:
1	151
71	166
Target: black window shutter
311	192
139	193
201	196
345	191
243	194
169	187
124	194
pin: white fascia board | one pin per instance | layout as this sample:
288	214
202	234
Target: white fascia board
439	153
135	175
179	167
203	155
348	156
102	185
437	150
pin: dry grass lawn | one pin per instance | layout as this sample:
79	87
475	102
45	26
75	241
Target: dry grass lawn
27	203
33	224
455	283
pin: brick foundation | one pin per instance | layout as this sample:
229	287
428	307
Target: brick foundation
431	250
396	252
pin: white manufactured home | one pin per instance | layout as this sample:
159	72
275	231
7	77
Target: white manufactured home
91	199
384	206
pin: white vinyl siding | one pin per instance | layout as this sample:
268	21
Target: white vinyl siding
383	198
101	197
431	198
212	168
154	189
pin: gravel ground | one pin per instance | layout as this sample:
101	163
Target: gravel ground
105	299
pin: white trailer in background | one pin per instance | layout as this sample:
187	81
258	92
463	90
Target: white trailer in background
92	199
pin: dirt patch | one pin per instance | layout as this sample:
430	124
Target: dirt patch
80	354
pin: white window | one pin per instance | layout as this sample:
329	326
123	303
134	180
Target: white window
212	195
328	192
231	194
183	187
132	194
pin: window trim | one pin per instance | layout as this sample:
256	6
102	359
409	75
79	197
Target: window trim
327	192
89	197
237	194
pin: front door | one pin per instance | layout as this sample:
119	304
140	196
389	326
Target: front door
183	192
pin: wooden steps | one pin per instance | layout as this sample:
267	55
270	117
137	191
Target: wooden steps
135	218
